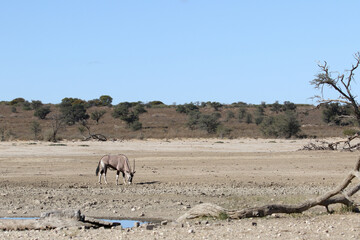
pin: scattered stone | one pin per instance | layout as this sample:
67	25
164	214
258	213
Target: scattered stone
163	223
150	226
205	222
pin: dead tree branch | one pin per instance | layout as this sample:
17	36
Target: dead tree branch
323	145
337	195
95	136
340	83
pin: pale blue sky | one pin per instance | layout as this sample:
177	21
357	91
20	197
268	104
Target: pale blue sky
175	51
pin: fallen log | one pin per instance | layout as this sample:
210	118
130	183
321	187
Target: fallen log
337	195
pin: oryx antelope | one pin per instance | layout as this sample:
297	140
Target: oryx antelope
120	163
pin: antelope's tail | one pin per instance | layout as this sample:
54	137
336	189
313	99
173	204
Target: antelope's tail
97	169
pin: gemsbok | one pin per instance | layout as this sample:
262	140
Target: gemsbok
120	163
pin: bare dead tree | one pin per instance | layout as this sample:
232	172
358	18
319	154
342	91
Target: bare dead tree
57	123
340	83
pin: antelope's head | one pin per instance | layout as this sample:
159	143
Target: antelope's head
130	175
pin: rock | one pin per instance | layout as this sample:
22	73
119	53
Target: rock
137	224
150	226
202	210
67	213
163	223
205	222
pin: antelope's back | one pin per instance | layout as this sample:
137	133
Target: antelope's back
119	161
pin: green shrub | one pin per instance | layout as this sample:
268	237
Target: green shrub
36	104
193	119
349	132
73	110
259	115
187	108
333	112
105	100
249	118
229	115
242	113
42	112
208	123
285	125
276	107
16	101
36	129
97	115
289	106
131	117
223	131
139	108
135	126
223	216
26	106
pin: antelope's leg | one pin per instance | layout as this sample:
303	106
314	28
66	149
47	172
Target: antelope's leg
105	170
100	177
117	177
123	174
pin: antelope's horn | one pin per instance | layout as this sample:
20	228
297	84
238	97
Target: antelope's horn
134	166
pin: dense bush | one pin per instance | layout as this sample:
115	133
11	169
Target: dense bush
242	113
284	125
215	105
73	110
156	104
333	112
276	107
131	117
193	119
42	112
229	115
207	122
36	104
187	108
105	100
289	106
136	125
97	115
16	101
259	115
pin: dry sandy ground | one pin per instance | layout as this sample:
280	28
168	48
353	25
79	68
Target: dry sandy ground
171	177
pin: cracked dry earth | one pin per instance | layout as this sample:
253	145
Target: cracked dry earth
171	177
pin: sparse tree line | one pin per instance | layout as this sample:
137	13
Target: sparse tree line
274	120
279	121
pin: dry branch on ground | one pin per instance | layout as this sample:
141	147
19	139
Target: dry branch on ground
337	195
344	145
